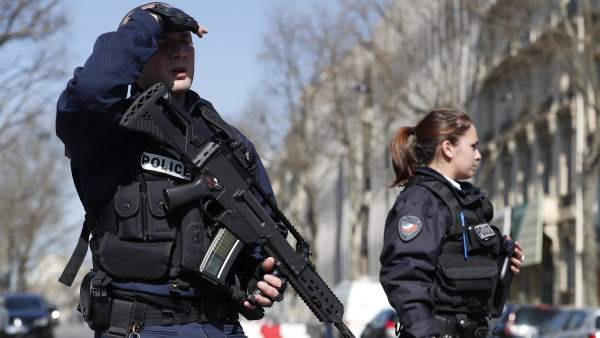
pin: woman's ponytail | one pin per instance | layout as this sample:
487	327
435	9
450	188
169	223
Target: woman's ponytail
404	161
438	125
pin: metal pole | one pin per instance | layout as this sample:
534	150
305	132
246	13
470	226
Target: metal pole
579	149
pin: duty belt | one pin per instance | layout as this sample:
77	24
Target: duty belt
460	326
130	311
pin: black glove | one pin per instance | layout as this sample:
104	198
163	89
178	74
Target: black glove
173	19
254	291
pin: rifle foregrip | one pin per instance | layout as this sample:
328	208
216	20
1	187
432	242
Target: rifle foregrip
317	295
319	298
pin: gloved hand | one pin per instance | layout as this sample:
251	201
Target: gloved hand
267	286
170	18
173	19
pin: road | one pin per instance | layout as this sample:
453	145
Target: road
73	330
253	330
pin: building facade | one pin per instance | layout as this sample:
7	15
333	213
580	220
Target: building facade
536	127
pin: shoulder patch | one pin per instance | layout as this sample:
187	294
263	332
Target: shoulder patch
409	227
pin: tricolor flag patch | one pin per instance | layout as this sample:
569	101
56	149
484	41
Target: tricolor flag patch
409	227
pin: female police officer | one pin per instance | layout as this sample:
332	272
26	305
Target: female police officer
439	262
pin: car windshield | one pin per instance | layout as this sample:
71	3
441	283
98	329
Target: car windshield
559	321
533	316
23	304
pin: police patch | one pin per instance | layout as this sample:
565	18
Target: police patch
409	227
165	165
484	231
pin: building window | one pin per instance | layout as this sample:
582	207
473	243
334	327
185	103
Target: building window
545	149
524	168
507	163
565	155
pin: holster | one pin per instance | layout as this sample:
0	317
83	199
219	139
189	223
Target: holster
94	303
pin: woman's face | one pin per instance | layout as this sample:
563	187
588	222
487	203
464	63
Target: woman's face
466	157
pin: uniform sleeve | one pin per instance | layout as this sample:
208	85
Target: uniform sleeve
408	266
87	107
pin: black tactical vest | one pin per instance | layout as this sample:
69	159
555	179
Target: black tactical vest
465	285
134	237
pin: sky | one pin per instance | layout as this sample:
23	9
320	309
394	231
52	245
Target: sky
227	65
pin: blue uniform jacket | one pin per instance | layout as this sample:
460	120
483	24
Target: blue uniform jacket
408	267
103	155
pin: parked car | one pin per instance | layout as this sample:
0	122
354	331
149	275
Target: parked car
382	326
558	323
28	315
524	321
583	323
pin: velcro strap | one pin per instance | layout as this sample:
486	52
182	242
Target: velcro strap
68	275
119	319
138	313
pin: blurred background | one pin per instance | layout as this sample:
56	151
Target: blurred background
320	88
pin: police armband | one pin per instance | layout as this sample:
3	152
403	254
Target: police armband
173	19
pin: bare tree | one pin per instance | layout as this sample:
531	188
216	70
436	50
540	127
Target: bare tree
339	64
32	201
258	122
289	65
423	52
28	62
309	56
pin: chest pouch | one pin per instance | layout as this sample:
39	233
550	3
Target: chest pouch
142	236
457	275
193	239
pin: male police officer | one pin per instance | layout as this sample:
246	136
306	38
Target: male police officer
144	257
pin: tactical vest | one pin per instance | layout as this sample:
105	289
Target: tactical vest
135	239
465	281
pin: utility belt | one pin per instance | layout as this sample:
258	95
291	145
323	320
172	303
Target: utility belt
461	326
121	313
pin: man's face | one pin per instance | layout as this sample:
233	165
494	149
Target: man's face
172	64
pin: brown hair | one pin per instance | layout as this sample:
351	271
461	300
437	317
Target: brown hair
437	126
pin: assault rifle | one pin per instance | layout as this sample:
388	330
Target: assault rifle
227	190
